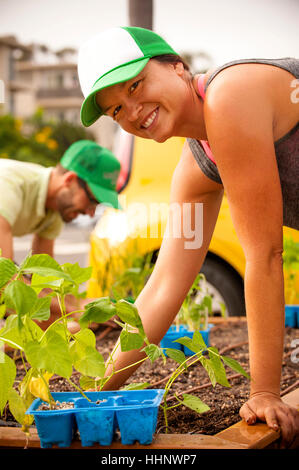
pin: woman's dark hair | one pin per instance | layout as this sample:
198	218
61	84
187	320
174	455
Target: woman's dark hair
171	59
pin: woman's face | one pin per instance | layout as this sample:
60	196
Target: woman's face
152	105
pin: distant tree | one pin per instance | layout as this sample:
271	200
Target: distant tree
141	13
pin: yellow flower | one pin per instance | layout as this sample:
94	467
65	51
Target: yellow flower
40	138
18	124
52	144
47	130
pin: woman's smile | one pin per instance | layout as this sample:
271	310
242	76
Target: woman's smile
150	120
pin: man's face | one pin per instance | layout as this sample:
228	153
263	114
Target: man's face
74	199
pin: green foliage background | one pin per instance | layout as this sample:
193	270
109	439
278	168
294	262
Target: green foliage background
37	139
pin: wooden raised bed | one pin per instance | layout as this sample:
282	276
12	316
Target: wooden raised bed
238	436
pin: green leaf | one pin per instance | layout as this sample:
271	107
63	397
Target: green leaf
2	310
86	336
153	352
41	309
137	386
194	403
87	383
12	332
233	364
198	341
40	261
176	355
78	274
7	270
44	265
207	364
7	378
39	282
86	359
43	271
99	311
50	354
18	408
196	344
20	297
218	367
128	313
130	341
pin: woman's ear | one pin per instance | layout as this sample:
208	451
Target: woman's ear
179	68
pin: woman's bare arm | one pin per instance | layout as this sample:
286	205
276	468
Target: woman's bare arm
239	120
176	266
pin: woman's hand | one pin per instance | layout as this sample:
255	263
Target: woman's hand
269	407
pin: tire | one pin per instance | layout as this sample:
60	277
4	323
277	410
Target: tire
226	286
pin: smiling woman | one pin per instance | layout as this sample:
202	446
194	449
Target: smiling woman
242	130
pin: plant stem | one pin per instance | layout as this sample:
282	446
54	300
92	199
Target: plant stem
23	361
57	321
176	373
78	388
5	340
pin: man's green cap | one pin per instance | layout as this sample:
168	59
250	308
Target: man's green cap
114	56
97	166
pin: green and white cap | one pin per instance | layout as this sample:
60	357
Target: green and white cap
97	166
114	56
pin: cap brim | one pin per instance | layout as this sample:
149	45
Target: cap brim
90	111
105	196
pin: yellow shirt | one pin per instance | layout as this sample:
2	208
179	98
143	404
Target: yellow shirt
23	192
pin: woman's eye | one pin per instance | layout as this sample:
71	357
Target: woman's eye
116	111
134	86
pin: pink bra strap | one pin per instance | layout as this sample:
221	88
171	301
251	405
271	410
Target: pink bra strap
200	85
204	143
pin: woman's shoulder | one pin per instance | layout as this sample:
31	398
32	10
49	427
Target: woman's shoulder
257	86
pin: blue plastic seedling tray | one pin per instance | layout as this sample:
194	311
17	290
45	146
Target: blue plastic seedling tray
173	334
133	412
54	426
292	316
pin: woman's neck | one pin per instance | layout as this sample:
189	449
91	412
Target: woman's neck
193	122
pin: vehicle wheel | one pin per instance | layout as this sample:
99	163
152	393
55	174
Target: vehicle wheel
225	286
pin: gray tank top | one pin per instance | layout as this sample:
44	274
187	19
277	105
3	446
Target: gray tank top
286	149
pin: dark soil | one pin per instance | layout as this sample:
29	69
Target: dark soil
224	403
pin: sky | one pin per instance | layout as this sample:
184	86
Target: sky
225	29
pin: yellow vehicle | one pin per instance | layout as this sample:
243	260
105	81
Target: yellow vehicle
144	187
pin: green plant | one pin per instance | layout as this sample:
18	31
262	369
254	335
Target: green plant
134	277
38	139
197	306
212	362
55	350
291	267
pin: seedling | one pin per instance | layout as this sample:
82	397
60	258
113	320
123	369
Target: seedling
197	306
132	279
55	350
210	359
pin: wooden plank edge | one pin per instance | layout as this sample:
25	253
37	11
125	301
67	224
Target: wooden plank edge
15	438
259	435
